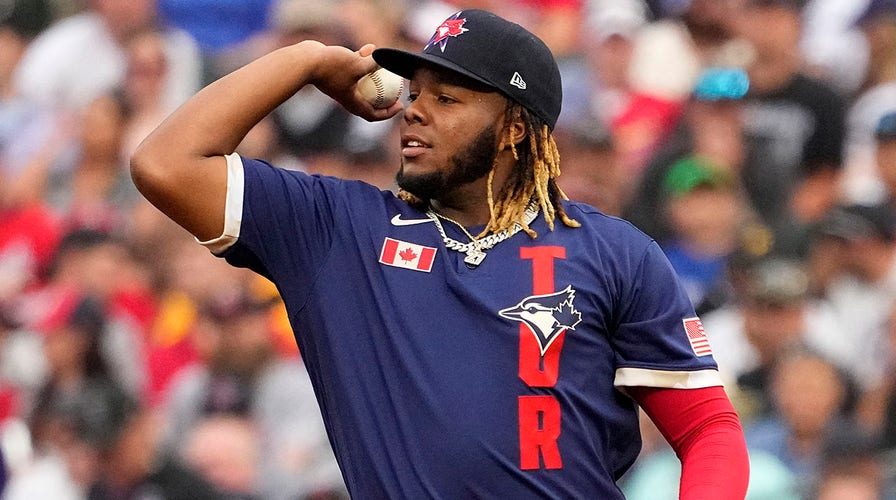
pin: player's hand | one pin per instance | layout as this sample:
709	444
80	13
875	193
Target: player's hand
337	73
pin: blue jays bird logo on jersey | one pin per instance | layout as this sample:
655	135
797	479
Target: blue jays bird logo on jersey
546	315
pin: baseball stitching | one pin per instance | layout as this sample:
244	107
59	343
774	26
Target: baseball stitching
380	90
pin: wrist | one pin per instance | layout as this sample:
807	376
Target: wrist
310	55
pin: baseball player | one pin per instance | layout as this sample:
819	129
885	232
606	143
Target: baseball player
475	335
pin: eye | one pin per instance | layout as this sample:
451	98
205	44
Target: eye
412	97
446	99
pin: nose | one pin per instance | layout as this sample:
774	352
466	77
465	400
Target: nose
414	112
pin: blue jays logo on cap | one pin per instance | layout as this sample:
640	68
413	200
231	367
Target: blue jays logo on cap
451	27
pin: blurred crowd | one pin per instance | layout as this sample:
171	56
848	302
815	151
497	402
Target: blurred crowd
755	140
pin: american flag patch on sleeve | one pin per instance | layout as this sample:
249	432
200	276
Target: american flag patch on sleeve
696	336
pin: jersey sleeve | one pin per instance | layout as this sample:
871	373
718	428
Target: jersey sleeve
659	340
277	219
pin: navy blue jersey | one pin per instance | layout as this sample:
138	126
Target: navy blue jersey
440	381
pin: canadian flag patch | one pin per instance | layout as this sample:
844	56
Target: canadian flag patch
697	337
407	255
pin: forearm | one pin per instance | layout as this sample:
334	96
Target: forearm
705	432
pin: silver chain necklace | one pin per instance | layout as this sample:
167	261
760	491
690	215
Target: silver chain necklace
475	249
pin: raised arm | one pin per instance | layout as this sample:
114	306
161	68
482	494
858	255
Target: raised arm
180	167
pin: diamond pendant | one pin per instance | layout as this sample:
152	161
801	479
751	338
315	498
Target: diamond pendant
474	258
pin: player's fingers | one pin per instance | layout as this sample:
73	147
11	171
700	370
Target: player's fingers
369	113
385	113
369	65
366	50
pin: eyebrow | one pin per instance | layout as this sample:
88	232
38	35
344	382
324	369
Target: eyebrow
449	77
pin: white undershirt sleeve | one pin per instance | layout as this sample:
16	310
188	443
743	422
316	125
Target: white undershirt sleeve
233	207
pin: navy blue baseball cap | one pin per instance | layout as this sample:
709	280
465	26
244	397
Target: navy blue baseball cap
491	50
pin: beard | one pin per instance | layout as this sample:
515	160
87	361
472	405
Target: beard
465	167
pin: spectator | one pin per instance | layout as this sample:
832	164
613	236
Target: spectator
811	398
264	141
176	339
590	171
324	137
655	477
244	377
73	331
772	312
129	465
710	24
29	231
863	290
91	188
370	145
22	368
72	328
25	128
663	70
851	467
795	126
876	97
52	70
225	450
706	214
96	264
611	29
711	128
311	125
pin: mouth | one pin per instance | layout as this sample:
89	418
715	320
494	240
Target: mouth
412	146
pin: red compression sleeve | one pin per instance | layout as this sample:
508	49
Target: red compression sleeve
705	432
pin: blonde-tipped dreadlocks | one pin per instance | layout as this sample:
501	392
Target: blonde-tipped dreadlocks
534	179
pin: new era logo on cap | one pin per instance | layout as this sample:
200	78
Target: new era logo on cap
517	81
407	255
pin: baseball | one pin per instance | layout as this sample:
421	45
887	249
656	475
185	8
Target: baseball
381	88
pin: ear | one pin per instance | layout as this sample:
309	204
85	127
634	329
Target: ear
517	131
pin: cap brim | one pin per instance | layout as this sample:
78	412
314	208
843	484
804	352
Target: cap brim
404	63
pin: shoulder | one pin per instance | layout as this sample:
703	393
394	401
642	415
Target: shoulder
609	228
294	190
262	169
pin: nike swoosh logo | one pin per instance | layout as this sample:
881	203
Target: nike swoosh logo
398	221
